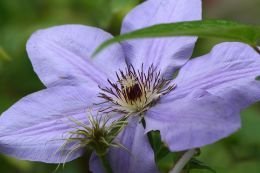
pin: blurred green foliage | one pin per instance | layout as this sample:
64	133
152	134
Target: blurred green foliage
239	153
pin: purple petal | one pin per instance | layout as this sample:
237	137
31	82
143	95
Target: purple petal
166	53
32	128
196	120
138	158
229	72
62	54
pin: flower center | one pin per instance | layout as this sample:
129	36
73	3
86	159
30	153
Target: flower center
135	90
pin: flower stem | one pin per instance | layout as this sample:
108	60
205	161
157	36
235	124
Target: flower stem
105	164
183	161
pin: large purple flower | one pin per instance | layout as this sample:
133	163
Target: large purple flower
200	106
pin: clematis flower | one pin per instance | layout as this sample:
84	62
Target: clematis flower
134	78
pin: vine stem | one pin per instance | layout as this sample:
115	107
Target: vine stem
183	161
105	164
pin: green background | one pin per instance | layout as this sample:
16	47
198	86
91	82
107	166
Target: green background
239	153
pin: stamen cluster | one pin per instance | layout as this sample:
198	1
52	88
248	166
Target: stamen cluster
135	90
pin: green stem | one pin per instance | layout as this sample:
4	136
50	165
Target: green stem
105	164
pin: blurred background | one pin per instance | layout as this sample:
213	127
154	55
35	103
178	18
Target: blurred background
239	153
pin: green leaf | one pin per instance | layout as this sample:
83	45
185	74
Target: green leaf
226	30
196	164
257	78
165	159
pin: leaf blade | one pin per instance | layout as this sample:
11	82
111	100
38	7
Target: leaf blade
227	30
